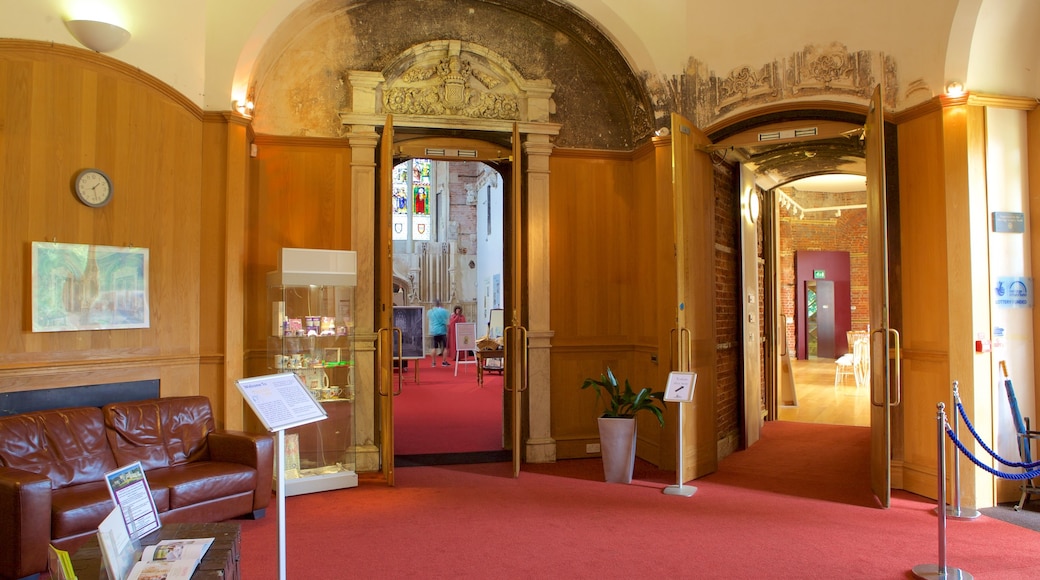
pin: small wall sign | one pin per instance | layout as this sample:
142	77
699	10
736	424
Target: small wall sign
819	274
1009	222
1013	292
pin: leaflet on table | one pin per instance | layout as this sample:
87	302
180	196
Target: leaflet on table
170	559
129	489
59	564
117	551
281	401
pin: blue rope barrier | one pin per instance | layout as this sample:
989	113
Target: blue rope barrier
1024	465
968	454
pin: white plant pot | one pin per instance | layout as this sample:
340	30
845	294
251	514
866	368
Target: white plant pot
617	439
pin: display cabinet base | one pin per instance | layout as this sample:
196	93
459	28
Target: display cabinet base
322	482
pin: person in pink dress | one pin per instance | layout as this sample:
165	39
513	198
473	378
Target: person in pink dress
456	317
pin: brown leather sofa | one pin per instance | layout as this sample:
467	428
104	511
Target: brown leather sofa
52	467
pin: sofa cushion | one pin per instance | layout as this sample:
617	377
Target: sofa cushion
68	446
159	432
202	481
79	509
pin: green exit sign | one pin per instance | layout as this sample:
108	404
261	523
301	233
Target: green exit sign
819	274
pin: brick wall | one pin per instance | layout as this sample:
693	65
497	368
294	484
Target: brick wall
462	180
826	231
729	389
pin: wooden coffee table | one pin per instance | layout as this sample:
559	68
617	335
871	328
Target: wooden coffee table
219	563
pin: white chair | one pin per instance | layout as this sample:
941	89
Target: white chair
465	342
843	368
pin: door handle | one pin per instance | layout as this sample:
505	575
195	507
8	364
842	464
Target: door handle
380	345
896	398
898	378
516	335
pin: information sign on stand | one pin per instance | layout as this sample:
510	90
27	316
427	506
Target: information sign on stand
680	390
281	401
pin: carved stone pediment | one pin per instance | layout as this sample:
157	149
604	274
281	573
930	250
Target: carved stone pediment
454	79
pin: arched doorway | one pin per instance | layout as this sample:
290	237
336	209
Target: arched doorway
810	143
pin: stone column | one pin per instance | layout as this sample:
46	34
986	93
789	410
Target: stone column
363	140
540	446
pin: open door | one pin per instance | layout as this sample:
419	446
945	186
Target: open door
693	203
884	387
385	297
515	334
751	337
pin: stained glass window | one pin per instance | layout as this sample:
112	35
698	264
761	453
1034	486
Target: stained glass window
421	199
400	202
412	200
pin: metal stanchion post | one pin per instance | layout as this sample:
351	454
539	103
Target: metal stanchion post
941	570
955	511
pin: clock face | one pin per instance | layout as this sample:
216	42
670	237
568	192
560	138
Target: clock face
93	187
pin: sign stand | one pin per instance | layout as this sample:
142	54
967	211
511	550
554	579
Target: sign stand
281	402
680	390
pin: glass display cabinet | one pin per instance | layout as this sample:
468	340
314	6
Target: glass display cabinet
312	336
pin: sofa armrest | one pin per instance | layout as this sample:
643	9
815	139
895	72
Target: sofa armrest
25	522
252	449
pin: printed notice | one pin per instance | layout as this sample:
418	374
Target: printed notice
129	489
680	387
281	401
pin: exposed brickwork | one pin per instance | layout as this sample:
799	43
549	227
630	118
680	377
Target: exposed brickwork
821	231
727	308
463	213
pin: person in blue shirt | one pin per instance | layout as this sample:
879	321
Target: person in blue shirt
438	318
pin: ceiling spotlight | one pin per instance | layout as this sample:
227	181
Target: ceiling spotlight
663	132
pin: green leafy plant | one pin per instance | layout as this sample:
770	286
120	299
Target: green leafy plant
625	402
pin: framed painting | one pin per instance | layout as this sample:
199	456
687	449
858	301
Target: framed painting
86	287
409	319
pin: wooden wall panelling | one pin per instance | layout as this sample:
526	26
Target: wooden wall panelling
596	303
1033	168
924	294
65	109
299	198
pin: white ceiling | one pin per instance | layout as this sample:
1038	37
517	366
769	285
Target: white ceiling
831	183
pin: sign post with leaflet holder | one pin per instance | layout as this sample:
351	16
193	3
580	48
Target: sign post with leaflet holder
281	401
680	390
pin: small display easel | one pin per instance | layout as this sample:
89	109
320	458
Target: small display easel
680	390
281	402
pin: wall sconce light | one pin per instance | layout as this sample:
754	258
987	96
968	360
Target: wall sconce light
98	36
243	107
751	206
954	89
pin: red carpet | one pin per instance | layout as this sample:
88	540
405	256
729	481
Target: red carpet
780	510
442	413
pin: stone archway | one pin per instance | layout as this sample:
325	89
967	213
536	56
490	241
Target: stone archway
460	86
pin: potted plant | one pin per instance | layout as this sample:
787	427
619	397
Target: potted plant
617	424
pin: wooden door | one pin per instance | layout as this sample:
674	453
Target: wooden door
884	391
385	298
693	203
825	337
515	334
751	337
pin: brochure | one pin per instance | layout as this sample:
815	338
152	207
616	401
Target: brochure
170	560
129	489
59	565
117	550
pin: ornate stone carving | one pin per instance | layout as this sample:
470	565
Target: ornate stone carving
463	84
703	96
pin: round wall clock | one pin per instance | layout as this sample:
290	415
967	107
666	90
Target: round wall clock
93	187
